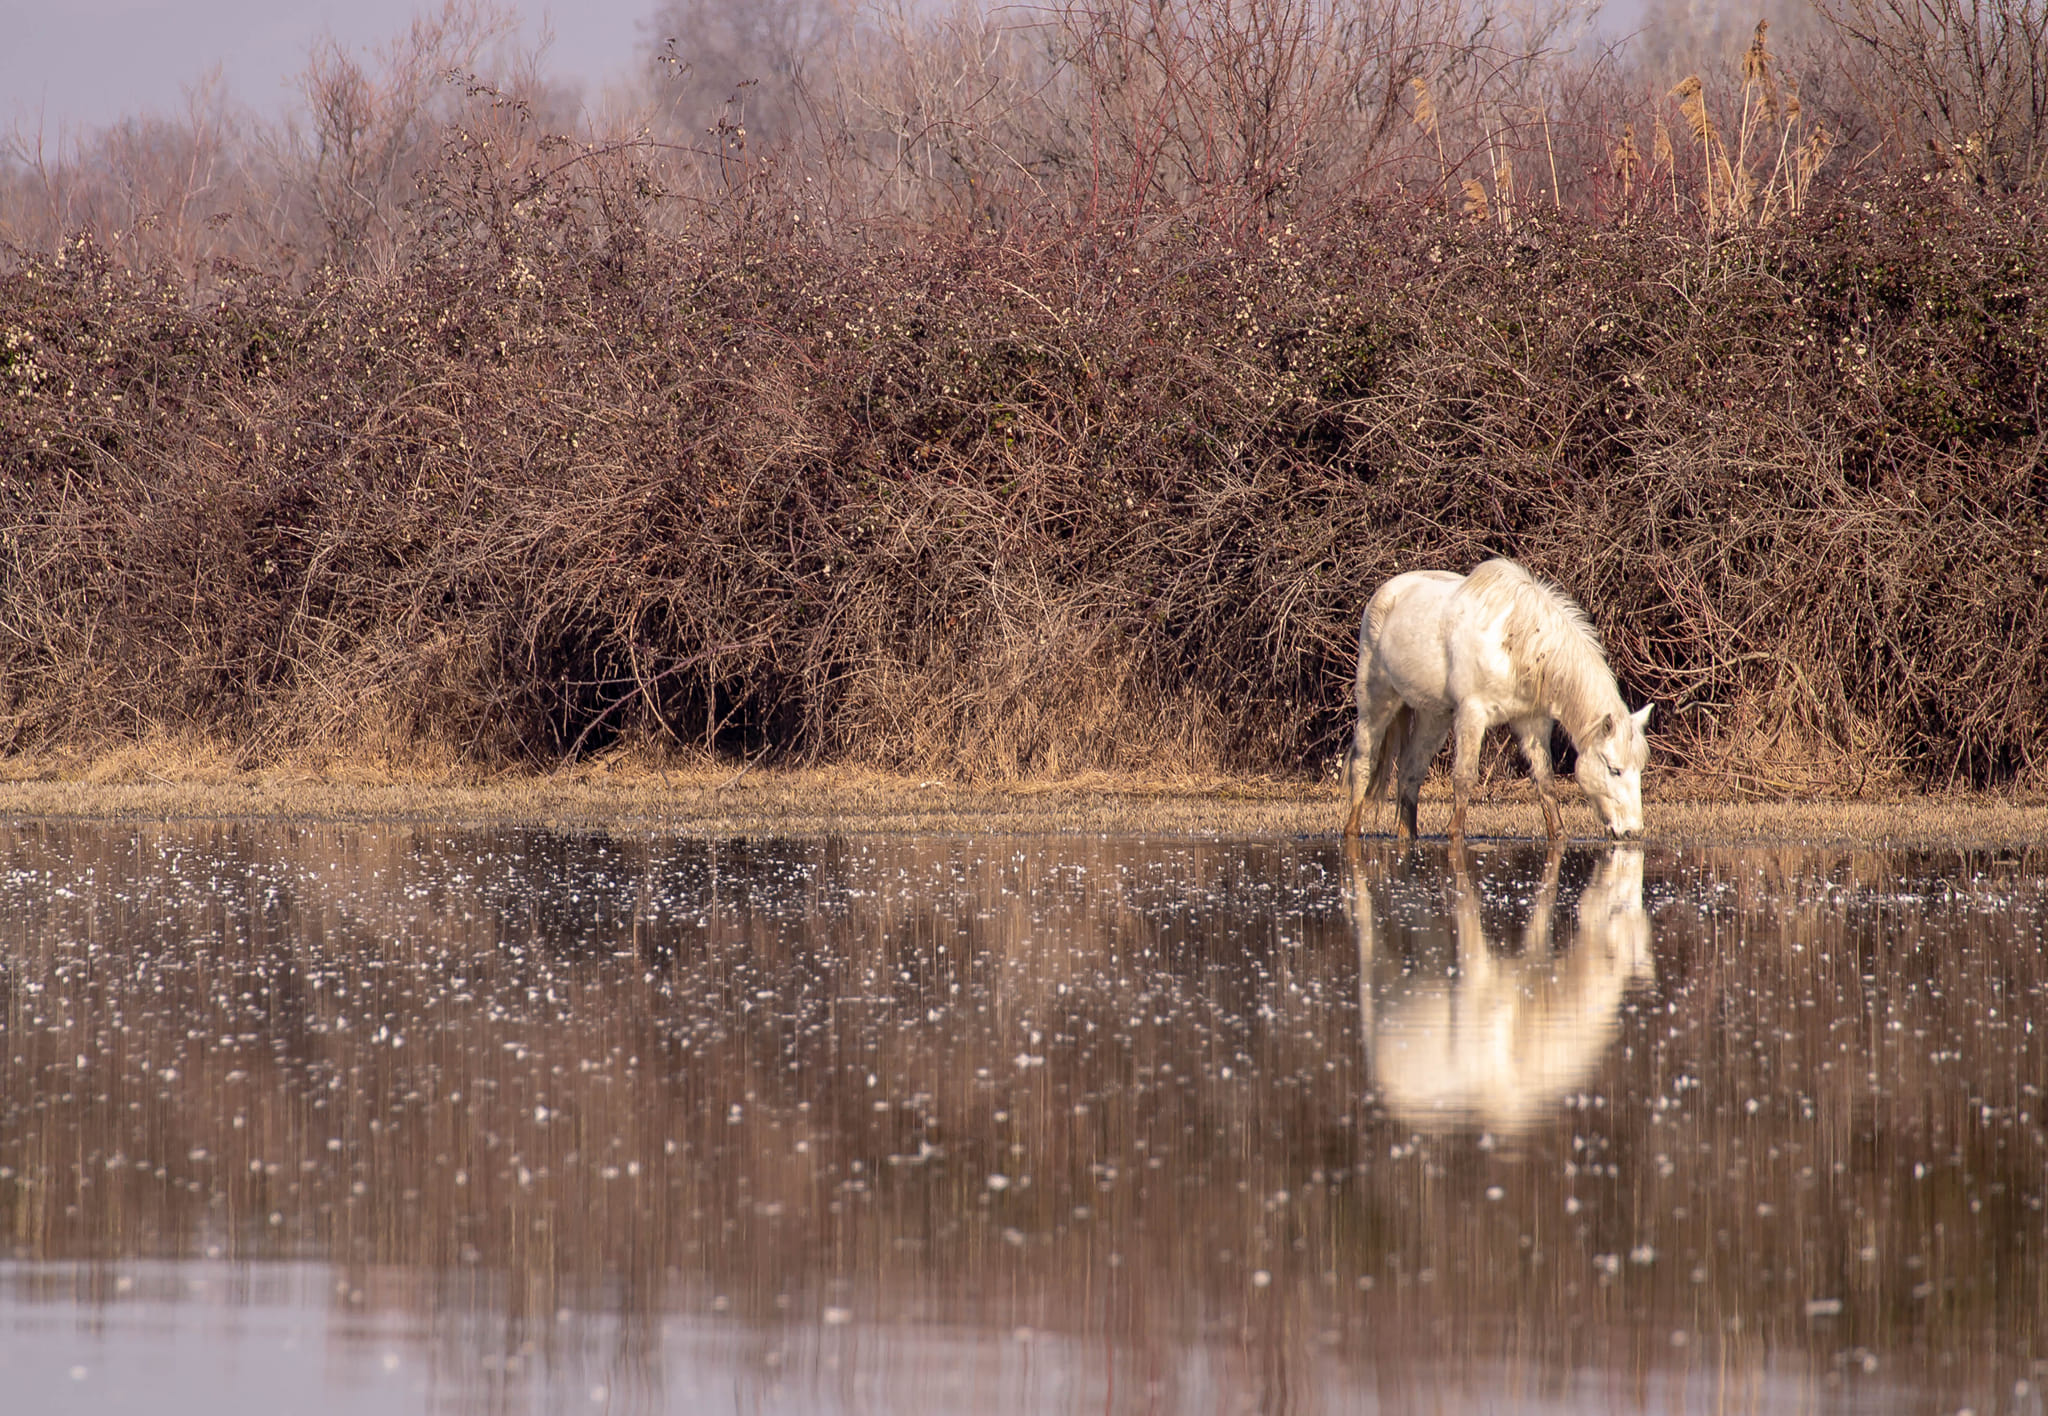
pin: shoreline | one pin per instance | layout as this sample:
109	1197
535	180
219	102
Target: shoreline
705	800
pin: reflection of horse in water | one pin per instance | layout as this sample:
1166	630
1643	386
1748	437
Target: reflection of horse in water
1497	1040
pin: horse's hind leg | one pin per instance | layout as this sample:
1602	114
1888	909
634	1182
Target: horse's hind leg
1534	735
1425	735
1364	767
1357	776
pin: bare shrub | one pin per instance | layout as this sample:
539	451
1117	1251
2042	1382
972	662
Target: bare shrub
749	64
1031	418
943	116
581	467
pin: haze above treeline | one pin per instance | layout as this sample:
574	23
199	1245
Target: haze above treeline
974	115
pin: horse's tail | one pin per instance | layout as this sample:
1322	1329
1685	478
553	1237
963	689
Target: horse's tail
1390	746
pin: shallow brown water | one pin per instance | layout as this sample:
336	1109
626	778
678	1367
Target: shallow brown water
373	1118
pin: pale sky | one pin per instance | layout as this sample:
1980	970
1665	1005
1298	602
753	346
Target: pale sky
72	64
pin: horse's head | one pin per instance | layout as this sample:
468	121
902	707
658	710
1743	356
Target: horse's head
1611	770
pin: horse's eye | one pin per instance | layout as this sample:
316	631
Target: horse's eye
1616	771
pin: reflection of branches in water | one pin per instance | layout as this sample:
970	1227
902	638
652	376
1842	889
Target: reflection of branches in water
493	1077
1497	1042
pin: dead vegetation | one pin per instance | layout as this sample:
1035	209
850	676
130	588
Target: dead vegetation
600	444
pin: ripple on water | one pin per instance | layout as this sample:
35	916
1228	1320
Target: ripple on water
525	1120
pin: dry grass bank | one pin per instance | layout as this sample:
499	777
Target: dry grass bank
707	799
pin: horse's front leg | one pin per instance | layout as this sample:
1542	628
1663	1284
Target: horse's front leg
1534	735
1467	730
1407	805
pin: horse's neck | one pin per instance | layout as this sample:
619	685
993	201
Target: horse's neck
1601	700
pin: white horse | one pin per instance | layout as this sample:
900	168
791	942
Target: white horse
1441	654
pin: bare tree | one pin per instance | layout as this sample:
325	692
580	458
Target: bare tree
1247	111
1966	80
745	65
374	121
157	191
1272	106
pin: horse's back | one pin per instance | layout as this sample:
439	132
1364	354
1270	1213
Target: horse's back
1402	643
1438	638
1401	589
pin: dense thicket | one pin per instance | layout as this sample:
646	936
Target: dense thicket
564	475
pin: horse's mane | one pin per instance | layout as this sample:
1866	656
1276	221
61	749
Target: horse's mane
1550	636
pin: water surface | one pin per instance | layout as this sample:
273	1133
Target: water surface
340	1118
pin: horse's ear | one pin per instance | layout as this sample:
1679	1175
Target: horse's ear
1641	717
1600	730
